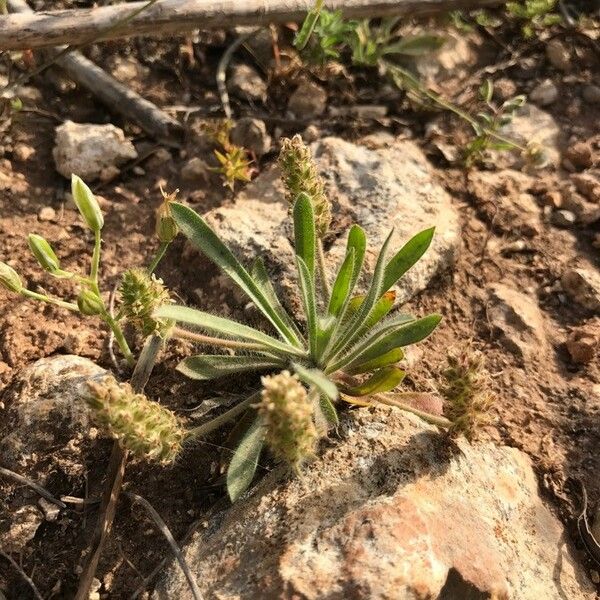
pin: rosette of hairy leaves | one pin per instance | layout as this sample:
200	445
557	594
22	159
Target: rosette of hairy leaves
349	337
141	294
147	429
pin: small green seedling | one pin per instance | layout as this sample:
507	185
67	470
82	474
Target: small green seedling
141	292
348	348
535	15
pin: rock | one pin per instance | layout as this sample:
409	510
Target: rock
583	286
545	93
23	152
518	319
455	56
21	528
388	513
311	134
531	124
246	83
503	197
504	89
558	55
46	213
195	170
308	100
128	69
588	184
591	94
583	343
580	155
585	212
87	149
251	134
376	188
564	218
47	426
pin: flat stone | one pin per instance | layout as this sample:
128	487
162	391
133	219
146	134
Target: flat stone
583	286
90	150
517	318
532	124
378	188
308	100
246	83
545	93
45	410
388	512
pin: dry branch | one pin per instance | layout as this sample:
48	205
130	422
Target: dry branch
79	26
107	89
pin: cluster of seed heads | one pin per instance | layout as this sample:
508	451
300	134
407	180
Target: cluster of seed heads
141	294
144	427
466	390
299	174
287	413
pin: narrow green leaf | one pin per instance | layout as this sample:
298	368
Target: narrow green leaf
325	415
357	240
305	237
353	328
383	341
385	360
224	327
261	278
307	291
384	380
303	36
406	257
318	379
195	228
213	366
341	286
245	460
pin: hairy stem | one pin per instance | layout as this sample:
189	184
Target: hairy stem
49	300
119	337
215	423
114	475
94	269
158	257
178	332
433	419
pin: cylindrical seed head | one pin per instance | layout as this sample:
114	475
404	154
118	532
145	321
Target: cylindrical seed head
147	429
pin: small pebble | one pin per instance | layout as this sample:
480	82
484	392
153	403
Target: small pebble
558	55
563	218
23	152
545	93
591	94
47	213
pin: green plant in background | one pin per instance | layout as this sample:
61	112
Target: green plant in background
488	124
536	14
234	163
348	348
141	292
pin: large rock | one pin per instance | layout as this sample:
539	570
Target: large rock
47	425
388	513
91	151
379	188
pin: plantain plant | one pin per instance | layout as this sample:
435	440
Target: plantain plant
348	347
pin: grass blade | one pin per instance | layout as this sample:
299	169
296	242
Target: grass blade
307	291
245	460
341	287
303	36
224	327
205	239
385	360
406	257
305	237
383	380
357	240
316	378
212	366
261	277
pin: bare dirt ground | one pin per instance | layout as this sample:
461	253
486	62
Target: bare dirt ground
547	405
